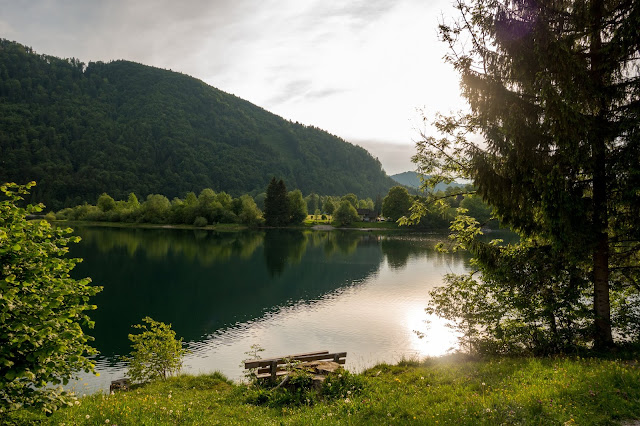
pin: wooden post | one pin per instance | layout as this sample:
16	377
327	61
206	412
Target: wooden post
274	369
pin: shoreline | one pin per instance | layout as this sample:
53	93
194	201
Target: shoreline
231	227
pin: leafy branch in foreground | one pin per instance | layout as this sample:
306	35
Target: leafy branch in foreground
42	309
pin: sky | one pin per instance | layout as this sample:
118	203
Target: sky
367	71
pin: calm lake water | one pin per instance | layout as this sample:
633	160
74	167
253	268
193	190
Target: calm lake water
286	291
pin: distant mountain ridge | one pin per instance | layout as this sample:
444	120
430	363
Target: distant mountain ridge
412	180
123	127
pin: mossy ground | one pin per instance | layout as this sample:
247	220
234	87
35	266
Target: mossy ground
452	390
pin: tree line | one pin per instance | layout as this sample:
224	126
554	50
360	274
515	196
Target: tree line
277	207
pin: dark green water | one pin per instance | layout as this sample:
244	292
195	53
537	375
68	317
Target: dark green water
288	291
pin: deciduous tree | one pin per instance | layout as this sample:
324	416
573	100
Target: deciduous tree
397	203
297	207
346	214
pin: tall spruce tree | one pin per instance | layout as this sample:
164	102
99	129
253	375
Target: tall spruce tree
554	90
276	204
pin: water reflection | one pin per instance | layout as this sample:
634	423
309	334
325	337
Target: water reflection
290	291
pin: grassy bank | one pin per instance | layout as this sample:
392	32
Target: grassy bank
221	227
451	390
232	227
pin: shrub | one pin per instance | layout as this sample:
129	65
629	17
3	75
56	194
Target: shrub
156	354
200	221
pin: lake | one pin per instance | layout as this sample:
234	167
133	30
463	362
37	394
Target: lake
288	291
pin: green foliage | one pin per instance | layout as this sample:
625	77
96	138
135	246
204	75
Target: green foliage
297	207
250	214
299	390
42	309
122	127
476	208
342	385
276	204
397	203
155	209
352	198
555	100
156	353
132	201
313	202
106	203
329	207
200	222
346	213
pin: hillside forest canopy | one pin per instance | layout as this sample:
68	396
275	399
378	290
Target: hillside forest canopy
81	130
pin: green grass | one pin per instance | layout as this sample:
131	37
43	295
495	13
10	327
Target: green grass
452	390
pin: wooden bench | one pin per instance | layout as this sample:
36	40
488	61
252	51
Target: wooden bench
272	368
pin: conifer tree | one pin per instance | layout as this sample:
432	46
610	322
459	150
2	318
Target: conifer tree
276	204
554	90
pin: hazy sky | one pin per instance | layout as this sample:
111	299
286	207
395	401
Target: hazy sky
358	69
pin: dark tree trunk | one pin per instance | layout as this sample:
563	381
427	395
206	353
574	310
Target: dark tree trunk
602	337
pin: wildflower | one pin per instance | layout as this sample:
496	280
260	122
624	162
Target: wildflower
113	393
348	392
421	377
488	410
483	384
87	416
347	400
388	414
106	421
170	411
169	396
76	402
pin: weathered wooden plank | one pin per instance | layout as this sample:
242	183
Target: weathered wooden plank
268	375
334	356
282	367
254	363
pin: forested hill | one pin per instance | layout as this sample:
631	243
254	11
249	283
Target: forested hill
123	127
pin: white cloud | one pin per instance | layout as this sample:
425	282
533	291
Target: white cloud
358	69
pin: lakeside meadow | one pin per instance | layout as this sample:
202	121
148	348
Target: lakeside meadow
455	389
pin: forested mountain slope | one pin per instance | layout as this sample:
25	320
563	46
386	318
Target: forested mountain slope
123	127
